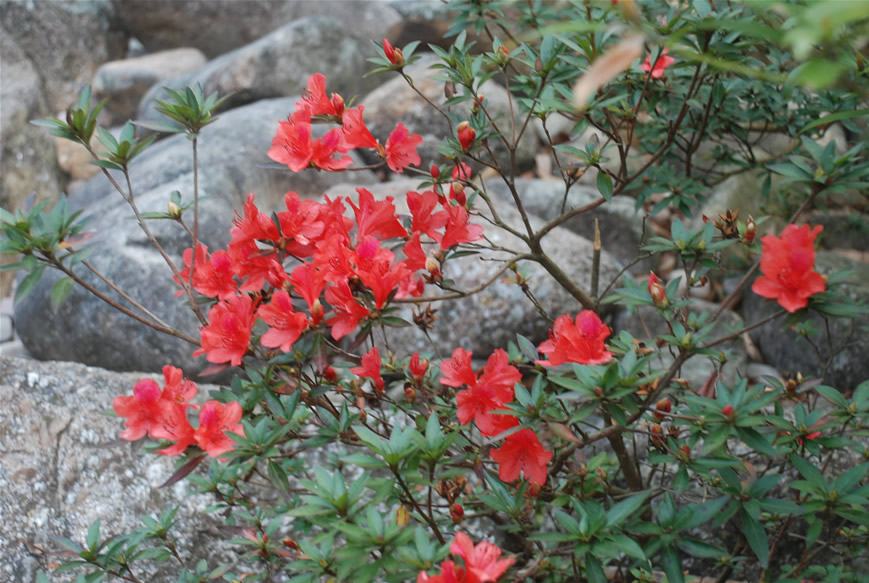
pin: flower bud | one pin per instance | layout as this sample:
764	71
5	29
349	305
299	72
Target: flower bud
684	453
728	412
656	434
418	367
174	210
664	406
394	55
657	291
503	54
466	134
338	103
457	193
457	513
316	313
409	393
750	231
435	172
329	374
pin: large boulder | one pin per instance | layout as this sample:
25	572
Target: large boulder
27	159
621	223
491	318
66	40
57	474
279	65
395	101
125	82
217	27
840	345
85	329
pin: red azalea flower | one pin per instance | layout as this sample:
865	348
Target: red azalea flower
457	371
415	256
811	435
582	342
425	220
466	135
370	369
214	277
481	403
450	573
254	225
300	225
376	218
177	388
315	101
458	230
174	426
253	266
523	452
309	282
788	267
142	410
324	150
292	144
285	325
356	133
227	336
348	312
481	561
215	419
400	149
660	65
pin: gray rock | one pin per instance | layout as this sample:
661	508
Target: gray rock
27	159
217	27
279	65
85	329
125	82
847	343
57	474
492	318
65	40
647	324
621	224
842	229
395	102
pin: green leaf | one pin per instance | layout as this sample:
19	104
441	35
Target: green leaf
672	565
834	117
161	126
605	185
809	472
60	291
756	537
618	513
93	538
28	283
278	478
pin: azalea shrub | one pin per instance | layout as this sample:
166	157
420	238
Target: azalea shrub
334	455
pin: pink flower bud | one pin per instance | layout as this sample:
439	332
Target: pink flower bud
657	291
466	135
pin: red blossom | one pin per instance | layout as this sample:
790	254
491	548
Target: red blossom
324	151
425	219
177	388
227	336
660	65
457	371
215	419
481	561
285	325
466	135
315	101
300	225
582	343
522	452
400	150
370	369
174	426
309	282
254	225
356	133
142	410
458	229
461	171
292	144
376	218
348	312
788	267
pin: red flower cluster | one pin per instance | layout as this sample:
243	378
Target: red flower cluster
788	267
582	343
481	563
371	369
481	401
162	414
294	145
